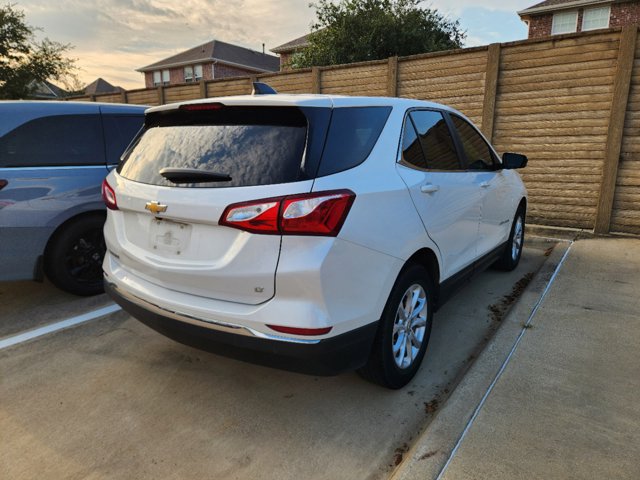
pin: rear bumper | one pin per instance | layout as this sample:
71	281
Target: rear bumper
331	356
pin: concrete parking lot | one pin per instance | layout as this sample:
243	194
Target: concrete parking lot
113	399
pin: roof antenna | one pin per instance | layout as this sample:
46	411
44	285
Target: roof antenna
260	88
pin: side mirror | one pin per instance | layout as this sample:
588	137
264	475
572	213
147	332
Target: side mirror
514	160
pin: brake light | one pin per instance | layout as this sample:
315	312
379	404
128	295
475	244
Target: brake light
202	107
3	183
318	213
300	331
109	196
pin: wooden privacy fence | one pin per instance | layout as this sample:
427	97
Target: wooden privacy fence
571	103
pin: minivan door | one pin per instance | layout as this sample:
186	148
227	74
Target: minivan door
444	194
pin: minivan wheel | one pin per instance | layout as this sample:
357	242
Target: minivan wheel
73	258
404	330
513	250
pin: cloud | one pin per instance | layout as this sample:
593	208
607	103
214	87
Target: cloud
114	37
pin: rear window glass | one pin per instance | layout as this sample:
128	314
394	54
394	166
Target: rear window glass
59	140
352	134
250	147
254	145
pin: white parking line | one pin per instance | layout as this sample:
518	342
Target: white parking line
54	327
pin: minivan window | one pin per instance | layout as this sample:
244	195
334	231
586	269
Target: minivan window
119	130
250	146
435	138
478	153
352	135
59	140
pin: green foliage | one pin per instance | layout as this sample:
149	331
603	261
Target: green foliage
24	60
359	30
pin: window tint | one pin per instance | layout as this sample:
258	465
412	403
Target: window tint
411	149
476	150
435	138
60	140
253	146
119	130
352	135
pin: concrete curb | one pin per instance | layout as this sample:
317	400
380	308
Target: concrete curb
432	448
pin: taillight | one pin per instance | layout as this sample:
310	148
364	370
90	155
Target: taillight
320	213
198	107
300	331
109	196
3	183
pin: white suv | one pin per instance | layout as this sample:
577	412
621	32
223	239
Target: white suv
307	232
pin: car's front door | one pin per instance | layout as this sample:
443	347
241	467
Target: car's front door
484	169
445	196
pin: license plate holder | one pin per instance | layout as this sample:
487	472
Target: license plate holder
167	236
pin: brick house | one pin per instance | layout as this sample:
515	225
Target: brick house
211	60
553	17
286	50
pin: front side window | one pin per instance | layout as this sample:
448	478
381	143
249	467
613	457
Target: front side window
477	151
434	148
59	140
594	18
564	22
188	74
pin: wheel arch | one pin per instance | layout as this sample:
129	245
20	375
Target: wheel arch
429	260
60	228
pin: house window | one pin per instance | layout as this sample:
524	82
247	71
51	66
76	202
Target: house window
157	78
594	18
165	77
564	22
197	71
188	74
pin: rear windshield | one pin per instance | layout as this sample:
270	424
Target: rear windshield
248	146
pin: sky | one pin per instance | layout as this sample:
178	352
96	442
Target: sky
112	38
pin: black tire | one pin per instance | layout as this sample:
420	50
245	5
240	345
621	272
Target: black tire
383	367
511	256
73	257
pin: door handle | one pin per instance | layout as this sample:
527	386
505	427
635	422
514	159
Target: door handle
429	188
484	185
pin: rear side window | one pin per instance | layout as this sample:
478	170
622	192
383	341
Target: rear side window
119	130
434	137
60	140
478	153
251	146
352	135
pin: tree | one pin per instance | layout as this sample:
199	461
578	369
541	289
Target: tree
24	60
358	30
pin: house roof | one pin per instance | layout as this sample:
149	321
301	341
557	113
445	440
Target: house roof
46	89
100	86
292	45
553	5
220	51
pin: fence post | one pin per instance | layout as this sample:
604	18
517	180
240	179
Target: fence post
490	90
160	95
203	89
92	98
123	97
615	132
392	77
316	87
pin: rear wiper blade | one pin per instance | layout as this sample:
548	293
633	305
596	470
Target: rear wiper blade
193	175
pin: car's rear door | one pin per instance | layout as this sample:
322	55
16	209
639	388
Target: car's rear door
444	194
51	166
167	231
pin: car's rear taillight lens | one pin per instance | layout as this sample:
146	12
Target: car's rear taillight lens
109	196
260	216
3	183
321	213
300	331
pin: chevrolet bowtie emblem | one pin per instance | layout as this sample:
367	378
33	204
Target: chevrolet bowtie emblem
155	208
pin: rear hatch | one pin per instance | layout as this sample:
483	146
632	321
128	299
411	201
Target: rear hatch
190	164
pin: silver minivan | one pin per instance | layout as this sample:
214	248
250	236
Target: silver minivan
53	158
